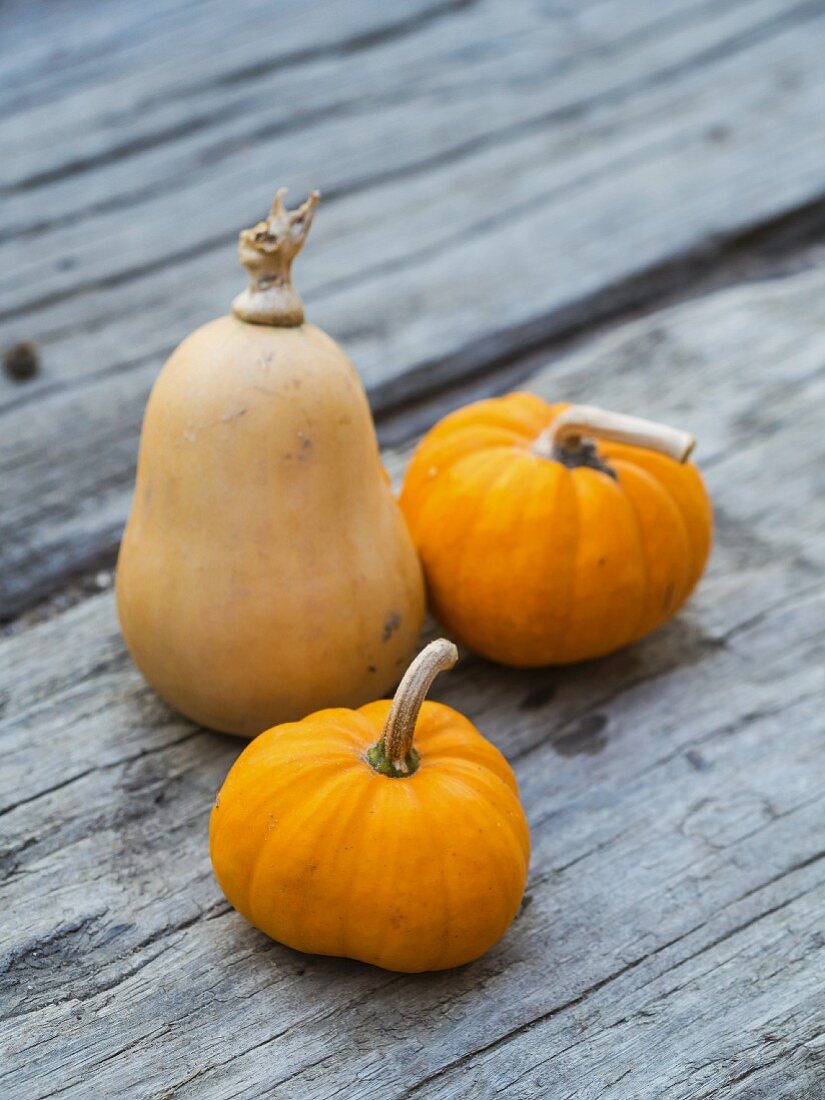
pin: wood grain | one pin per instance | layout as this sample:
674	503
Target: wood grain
494	174
670	946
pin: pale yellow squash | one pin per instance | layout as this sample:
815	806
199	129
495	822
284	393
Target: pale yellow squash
266	571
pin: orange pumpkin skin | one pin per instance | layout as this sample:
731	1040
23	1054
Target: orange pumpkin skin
325	854
530	562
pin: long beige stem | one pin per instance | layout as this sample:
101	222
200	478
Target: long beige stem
585	421
397	736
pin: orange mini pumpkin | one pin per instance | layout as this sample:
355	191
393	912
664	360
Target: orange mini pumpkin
334	835
542	546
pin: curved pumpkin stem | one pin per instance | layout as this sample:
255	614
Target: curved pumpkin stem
578	423
394	754
267	251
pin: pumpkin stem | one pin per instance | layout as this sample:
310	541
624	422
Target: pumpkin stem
569	432
267	251
394	754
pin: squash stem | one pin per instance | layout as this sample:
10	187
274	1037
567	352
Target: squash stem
394	755
267	251
571	428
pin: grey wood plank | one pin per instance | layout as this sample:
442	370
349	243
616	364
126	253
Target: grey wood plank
213	64
485	103
568	152
52	57
670	946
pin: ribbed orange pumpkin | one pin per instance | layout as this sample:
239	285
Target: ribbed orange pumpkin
336	836
540	546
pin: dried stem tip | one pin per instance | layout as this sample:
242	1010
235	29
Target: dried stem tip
267	251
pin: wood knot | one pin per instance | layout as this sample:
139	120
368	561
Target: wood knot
21	362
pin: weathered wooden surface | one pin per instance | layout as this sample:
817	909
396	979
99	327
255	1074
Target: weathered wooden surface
495	173
671	946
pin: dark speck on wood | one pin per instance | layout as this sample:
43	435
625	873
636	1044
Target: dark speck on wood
696	760
20	361
588	737
538	698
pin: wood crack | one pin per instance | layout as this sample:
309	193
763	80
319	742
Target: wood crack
160	937
801	865
345	47
122	277
103	768
49	790
48	390
529	1025
393	980
608	843
358	43
730	729
120	151
745	925
751	1071
84	925
515	353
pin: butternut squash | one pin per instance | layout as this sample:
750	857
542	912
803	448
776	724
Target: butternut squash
266	571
